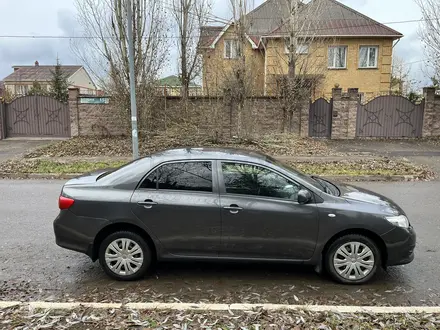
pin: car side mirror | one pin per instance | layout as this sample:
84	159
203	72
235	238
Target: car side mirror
304	196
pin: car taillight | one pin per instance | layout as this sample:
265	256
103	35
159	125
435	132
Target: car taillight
65	202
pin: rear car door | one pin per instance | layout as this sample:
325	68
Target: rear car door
179	204
261	217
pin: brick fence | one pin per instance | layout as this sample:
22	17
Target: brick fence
213	116
431	120
2	121
217	117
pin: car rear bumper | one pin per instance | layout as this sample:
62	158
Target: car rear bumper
76	233
400	245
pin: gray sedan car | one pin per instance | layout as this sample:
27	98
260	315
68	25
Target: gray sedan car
227	204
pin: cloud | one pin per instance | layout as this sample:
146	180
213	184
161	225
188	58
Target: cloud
58	17
359	3
67	22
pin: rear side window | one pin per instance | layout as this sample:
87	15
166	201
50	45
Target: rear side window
189	176
150	181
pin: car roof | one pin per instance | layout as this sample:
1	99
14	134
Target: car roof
130	174
209	153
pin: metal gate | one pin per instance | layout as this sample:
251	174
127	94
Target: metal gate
35	116
390	116
320	118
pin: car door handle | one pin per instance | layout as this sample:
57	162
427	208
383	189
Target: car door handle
148	204
234	209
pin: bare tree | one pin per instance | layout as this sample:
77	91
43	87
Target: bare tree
401	82
240	84
104	49
304	70
189	16
430	32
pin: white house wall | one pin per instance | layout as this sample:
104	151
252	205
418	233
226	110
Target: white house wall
81	80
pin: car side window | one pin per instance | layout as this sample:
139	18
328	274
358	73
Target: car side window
192	176
150	182
247	179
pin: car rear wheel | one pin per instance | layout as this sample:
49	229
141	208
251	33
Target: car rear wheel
352	259
125	256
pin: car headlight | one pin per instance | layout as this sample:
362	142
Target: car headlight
399	221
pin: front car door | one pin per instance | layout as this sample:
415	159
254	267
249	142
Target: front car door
179	204
261	217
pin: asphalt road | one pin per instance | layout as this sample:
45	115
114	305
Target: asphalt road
33	267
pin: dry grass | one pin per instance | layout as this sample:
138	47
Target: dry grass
376	167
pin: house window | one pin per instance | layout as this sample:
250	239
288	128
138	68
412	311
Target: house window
23	89
368	56
301	49
231	49
337	57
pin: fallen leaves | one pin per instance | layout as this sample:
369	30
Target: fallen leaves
20	318
280	144
47	166
371	167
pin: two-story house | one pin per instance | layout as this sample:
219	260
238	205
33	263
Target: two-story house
337	44
23	78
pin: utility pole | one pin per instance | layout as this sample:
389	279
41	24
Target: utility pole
134	130
293	37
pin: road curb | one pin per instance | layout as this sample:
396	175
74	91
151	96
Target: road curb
226	307
342	178
41	176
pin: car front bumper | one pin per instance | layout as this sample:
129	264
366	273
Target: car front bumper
400	244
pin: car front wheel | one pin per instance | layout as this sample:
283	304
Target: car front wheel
352	259
125	256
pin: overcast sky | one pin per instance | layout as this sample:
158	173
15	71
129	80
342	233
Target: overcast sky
58	17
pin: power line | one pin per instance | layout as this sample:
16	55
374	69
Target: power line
211	17
174	37
419	61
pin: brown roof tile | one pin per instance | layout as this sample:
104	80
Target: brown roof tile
332	19
208	35
336	19
39	73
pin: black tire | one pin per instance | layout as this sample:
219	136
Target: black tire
329	255
146	251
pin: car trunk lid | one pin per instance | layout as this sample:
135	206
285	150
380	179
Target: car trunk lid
87	178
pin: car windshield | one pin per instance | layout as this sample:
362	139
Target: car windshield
296	173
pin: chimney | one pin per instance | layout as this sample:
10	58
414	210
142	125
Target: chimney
36	63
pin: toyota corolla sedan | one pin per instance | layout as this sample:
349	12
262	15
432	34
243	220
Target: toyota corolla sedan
227	204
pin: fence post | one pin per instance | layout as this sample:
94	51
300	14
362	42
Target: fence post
431	116
339	115
74	112
353	102
304	118
2	120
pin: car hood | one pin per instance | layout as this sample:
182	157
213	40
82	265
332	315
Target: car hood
353	194
87	178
